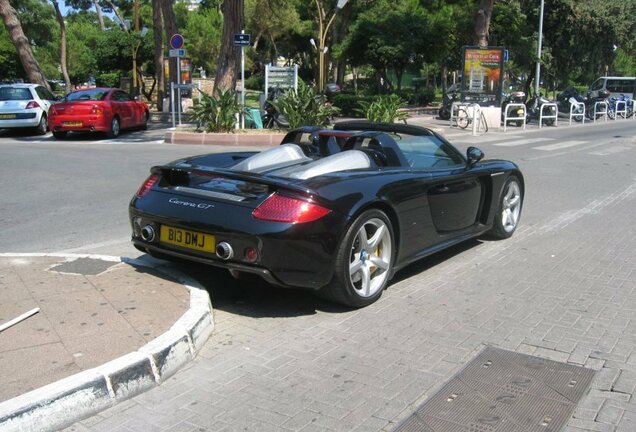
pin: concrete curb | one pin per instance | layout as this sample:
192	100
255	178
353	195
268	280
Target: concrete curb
62	403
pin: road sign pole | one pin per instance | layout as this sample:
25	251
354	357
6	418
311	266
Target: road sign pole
242	84
179	88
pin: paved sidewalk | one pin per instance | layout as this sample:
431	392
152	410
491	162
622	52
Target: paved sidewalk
90	310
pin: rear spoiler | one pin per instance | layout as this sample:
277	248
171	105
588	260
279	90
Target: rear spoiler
236	175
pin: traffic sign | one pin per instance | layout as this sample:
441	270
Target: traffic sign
177	53
176	41
242	39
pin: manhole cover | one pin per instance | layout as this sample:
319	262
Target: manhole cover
84	266
503	391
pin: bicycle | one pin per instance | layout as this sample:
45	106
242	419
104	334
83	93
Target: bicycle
463	120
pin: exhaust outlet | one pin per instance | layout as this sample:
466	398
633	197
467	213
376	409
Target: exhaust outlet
224	251
148	233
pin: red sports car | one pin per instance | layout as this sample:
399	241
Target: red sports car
98	109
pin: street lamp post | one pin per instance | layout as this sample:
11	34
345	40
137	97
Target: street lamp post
323	30
538	70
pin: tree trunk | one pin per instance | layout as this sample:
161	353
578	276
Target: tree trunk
100	15
233	18
157	26
170	28
21	43
63	66
482	22
339	35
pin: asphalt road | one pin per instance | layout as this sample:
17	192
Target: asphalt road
563	288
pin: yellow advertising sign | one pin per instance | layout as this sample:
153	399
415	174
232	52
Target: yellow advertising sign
482	78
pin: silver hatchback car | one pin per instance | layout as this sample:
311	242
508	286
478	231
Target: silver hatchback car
25	106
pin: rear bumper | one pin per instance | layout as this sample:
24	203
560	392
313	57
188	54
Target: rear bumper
288	255
88	123
31	120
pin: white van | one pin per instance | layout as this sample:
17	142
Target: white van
615	85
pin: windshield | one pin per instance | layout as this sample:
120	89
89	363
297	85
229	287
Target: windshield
85	95
14	93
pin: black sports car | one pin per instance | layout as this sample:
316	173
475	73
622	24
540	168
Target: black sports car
334	210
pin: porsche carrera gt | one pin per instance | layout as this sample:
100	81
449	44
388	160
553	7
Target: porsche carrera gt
337	211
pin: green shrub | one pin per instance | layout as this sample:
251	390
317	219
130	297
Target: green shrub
348	103
305	107
216	113
107	80
255	82
421	97
385	108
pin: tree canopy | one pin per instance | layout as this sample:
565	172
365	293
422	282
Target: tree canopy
385	39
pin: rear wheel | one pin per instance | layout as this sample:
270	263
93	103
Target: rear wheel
59	134
364	261
144	125
509	209
114	128
42	127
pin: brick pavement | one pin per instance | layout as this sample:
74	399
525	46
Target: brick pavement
563	288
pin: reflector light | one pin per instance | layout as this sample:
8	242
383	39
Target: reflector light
97	110
32	104
279	208
251	255
149	183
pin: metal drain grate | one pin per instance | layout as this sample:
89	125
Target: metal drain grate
503	391
84	266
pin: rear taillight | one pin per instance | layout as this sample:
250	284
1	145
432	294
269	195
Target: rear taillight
149	183
279	208
97	109
31	105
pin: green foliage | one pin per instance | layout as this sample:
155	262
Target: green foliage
255	82
305	107
421	97
111	79
217	113
624	64
386	108
203	35
348	102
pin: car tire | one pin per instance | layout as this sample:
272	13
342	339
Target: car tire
59	134
508	210
114	130
42	127
364	261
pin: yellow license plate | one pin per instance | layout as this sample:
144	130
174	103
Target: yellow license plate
187	239
7	116
75	123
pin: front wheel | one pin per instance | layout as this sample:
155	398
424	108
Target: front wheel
462	118
509	209
364	261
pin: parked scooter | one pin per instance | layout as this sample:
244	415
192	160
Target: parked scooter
271	116
590	102
533	109
517	97
452	95
570	99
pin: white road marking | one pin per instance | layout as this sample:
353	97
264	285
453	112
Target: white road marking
559	146
610	150
96	245
522	142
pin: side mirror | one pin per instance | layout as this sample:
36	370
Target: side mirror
474	155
